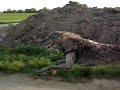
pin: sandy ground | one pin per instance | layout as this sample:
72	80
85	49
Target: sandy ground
25	82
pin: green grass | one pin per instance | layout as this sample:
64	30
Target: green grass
20	59
28	59
13	17
78	72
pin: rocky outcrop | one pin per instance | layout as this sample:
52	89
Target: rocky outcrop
101	25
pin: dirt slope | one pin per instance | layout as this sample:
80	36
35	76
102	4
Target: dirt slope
102	25
25	82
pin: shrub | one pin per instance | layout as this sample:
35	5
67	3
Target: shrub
4	50
28	59
56	55
39	63
29	50
76	72
106	71
12	67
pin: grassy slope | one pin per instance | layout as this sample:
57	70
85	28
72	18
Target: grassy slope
13	17
28	59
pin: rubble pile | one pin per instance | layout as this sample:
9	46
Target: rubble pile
99	24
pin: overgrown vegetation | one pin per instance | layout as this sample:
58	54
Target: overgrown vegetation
28	59
90	72
19	59
13	17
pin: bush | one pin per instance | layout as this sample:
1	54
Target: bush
39	63
38	51
12	67
29	50
28	59
56	55
76	72
4	50
90	72
106	71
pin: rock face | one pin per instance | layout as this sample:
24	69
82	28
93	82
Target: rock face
101	25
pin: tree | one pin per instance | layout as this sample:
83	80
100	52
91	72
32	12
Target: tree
33	10
28	10
20	11
45	9
13	11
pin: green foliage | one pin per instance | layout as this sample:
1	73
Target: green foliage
44	10
106	71
80	71
4	51
39	62
30	70
31	56
56	55
12	67
53	55
30	50
13	17
90	72
28	59
32	10
76	72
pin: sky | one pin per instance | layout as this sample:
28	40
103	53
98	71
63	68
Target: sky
39	4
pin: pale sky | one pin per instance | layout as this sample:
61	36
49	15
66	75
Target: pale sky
38	4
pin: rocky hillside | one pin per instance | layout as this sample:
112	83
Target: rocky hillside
102	25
